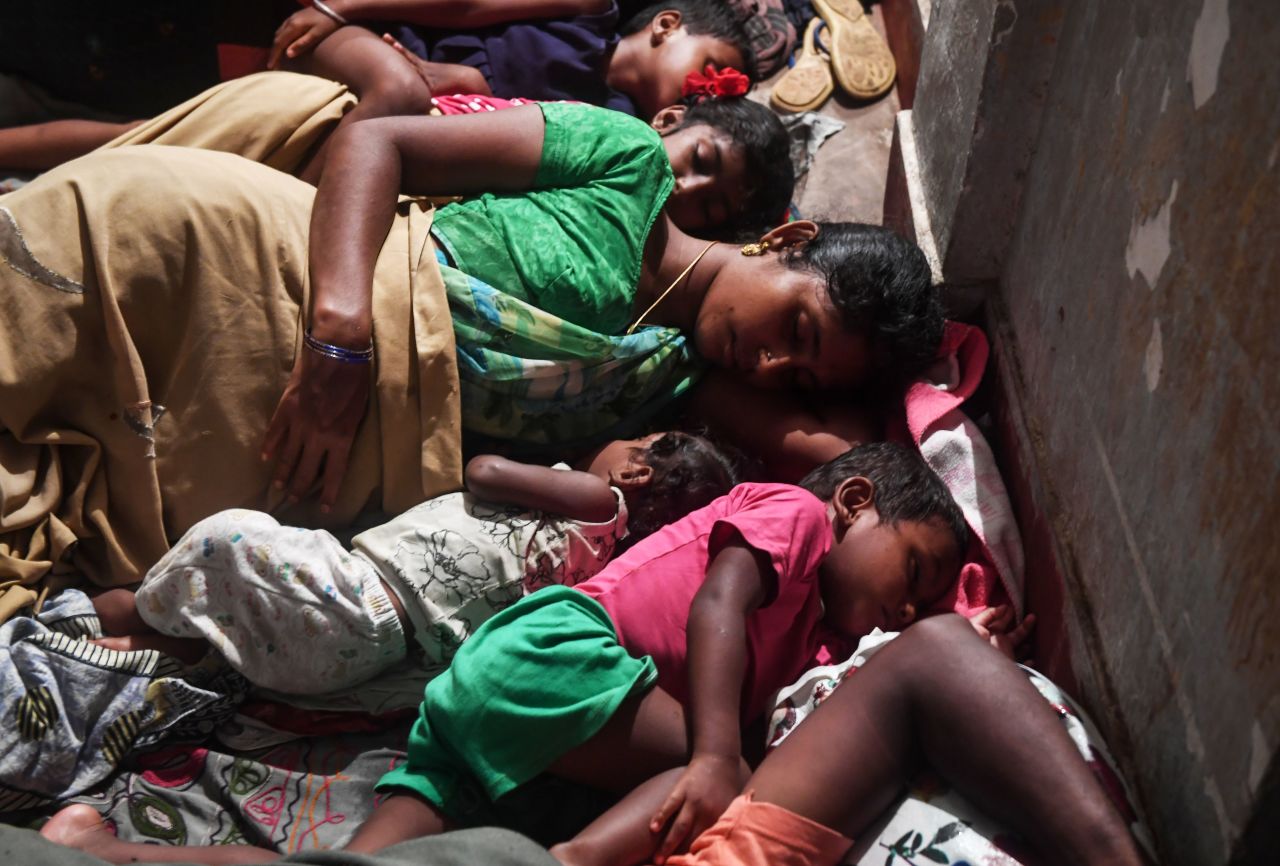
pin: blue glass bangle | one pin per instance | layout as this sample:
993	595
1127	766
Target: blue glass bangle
337	353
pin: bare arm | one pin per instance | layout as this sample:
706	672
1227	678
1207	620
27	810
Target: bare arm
790	433
464	14
738	581
576	495
305	29
370	163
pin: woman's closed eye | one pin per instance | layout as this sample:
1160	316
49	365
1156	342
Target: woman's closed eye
699	158
806	336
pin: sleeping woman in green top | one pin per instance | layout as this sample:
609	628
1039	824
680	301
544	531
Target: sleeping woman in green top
561	250
163	351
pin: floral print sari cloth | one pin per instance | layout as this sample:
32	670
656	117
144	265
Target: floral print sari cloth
535	379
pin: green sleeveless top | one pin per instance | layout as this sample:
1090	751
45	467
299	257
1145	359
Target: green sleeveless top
572	245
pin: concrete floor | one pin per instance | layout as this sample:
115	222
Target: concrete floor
847	179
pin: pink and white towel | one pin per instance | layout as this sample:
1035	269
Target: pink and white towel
956	449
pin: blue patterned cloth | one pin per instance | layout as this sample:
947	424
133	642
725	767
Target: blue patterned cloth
532	378
73	710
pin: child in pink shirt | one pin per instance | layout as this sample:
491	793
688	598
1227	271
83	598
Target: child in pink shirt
649	591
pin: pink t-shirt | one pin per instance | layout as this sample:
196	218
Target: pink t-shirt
648	590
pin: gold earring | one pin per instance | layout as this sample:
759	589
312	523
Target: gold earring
755	249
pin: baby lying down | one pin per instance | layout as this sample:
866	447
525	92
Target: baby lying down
294	611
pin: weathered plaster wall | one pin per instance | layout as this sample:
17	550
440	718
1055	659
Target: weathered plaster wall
984	78
1142	296
952	65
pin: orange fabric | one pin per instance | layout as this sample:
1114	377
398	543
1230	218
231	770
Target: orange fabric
763	834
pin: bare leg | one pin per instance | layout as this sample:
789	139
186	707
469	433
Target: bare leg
186	649
941	694
117	610
375	72
42	146
646	734
621	836
81	827
397	819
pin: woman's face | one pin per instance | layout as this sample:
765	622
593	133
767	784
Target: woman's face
711	177
777	327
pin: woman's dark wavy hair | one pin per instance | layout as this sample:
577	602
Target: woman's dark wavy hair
688	473
905	487
766	151
702	18
883	287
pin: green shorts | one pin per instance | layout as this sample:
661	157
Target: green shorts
537	680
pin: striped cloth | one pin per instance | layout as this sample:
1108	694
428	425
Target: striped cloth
74	710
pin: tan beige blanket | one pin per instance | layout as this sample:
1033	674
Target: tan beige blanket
148	322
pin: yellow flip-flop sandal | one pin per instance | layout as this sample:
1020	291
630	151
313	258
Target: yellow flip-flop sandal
861	59
807	84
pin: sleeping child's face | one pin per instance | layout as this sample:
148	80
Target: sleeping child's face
669	53
882	575
620	460
710	171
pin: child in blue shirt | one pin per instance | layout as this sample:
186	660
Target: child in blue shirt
533	49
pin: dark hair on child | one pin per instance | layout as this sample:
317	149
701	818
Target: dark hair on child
766	150
702	18
688	473
905	487
882	285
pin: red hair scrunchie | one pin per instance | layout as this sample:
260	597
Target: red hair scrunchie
715	83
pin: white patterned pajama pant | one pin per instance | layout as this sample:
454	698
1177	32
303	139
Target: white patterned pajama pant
289	608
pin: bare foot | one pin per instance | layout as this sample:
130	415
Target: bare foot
78	826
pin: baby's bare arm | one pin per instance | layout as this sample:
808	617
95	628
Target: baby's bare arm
569	493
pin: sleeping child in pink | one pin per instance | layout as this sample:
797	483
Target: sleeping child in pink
648	591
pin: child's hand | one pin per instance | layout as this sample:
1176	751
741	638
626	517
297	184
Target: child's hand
992	625
300	32
419	65
404	52
704	791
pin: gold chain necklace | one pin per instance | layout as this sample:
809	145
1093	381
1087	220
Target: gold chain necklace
674	283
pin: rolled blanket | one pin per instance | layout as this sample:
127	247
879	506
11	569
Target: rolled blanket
152	317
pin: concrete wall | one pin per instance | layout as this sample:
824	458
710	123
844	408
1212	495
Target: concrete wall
1139	312
984	76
